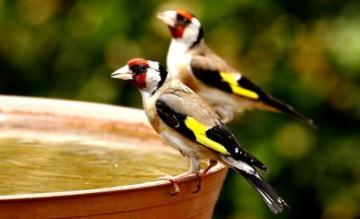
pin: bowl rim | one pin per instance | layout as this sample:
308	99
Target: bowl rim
125	188
62	107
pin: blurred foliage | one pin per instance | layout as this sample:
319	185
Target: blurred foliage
306	53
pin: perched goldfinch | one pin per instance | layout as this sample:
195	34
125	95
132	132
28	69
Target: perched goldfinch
187	123
196	65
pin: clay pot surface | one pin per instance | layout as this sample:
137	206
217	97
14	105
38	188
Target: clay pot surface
57	120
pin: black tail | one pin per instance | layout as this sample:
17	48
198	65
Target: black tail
285	108
271	198
273	102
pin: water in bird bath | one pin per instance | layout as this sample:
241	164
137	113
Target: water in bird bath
31	166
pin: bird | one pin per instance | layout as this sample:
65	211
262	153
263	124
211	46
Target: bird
227	90
187	123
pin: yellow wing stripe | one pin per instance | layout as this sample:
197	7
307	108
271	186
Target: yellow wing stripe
199	131
232	80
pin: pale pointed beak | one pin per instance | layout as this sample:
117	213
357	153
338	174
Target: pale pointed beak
168	17
122	73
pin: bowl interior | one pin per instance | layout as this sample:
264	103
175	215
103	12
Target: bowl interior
55	146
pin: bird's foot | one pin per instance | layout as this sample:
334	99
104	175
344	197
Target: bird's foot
198	182
200	175
211	165
174	182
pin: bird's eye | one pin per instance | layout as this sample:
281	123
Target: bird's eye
181	20
139	69
142	68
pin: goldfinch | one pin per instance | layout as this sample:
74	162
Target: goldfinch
196	65
187	123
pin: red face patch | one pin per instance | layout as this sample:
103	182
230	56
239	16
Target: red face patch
139	68
139	80
183	19
177	31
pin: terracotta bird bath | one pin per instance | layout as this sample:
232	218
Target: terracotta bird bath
58	120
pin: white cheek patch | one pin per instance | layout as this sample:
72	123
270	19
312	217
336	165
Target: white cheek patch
190	34
152	79
153	65
195	22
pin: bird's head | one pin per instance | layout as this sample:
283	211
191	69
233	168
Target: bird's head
146	75
183	26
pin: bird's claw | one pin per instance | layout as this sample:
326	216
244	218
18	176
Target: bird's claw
199	175
198	184
175	186
211	165
174	183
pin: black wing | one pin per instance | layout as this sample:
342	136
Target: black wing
217	138
237	84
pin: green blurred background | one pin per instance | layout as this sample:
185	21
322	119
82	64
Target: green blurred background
304	52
